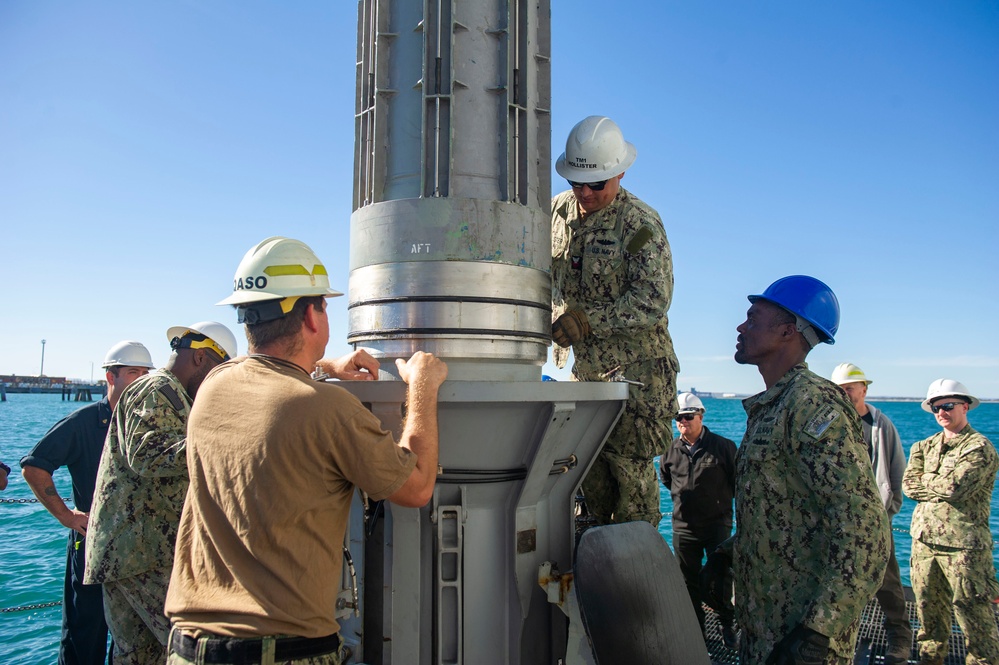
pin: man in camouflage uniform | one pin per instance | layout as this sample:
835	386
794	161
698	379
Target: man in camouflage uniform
951	475
141	484
811	539
612	282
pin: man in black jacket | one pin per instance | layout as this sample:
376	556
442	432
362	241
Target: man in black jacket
699	471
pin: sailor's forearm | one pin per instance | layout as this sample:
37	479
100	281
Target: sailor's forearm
40	482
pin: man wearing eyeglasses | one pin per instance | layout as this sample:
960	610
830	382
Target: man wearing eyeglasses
141	485
612	283
699	472
951	475
888	461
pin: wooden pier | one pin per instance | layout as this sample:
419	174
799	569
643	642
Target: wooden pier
69	389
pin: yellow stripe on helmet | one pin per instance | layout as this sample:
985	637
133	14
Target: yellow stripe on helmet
208	343
295	269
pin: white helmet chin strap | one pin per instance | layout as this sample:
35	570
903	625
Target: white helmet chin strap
807	330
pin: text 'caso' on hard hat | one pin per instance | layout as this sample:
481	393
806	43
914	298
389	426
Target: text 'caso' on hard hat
595	151
811	301
273	274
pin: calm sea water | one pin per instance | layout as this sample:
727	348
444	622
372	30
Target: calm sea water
727	418
32	543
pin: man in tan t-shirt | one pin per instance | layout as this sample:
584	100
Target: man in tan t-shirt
274	458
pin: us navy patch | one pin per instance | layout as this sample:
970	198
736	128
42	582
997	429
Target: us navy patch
172	397
576	262
638	242
820	423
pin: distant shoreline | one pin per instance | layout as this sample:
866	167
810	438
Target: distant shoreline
56	385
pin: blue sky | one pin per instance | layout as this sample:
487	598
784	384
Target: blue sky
145	146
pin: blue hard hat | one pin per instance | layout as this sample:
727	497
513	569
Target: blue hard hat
807	298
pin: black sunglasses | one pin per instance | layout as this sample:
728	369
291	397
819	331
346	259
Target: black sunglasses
594	186
949	406
685	417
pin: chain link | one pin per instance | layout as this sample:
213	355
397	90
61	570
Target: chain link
995	543
36	606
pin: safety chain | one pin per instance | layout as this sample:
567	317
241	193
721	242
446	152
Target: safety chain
36	606
995	543
54	603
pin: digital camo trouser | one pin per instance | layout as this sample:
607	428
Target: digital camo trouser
622	486
133	607
946	577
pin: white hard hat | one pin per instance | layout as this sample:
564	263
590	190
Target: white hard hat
278	268
689	403
128	354
849	373
595	151
948	388
220	338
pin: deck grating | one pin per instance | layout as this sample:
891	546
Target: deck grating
871	642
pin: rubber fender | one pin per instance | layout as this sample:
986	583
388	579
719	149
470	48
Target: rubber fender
633	600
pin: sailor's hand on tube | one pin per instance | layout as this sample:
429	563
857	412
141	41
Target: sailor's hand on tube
802	646
570	328
423	370
357	366
717	580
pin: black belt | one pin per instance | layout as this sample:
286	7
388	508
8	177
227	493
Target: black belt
247	650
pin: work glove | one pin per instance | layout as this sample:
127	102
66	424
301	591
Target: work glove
570	328
717	580
802	646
